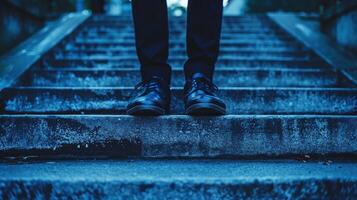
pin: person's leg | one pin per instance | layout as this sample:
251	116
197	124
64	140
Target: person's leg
204	21
151	34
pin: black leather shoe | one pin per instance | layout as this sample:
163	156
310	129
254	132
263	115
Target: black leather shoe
152	98
200	97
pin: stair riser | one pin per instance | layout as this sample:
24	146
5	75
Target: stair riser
121	36
59	53
183	25
308	189
181	41
224	58
181	31
259	47
234	29
227	78
238	101
264	46
251	49
177	136
178	22
227	35
105	18
182	21
178	63
182	53
179	27
224	43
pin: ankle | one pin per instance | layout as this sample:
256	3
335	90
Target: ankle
158	79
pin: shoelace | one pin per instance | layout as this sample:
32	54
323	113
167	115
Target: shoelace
203	84
150	85
147	84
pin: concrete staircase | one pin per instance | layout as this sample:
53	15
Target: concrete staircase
283	101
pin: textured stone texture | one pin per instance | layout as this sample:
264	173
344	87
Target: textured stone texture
223	78
166	179
177	136
239	100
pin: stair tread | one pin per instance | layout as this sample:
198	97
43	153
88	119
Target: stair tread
190	171
223	77
223	43
180	88
223	51
275	49
244	100
233	63
168	179
219	70
182	57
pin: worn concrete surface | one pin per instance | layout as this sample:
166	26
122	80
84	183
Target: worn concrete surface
169	179
177	136
239	100
79	77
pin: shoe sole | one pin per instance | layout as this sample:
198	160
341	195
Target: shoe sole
205	109
145	110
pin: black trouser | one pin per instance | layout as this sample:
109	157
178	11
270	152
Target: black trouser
152	37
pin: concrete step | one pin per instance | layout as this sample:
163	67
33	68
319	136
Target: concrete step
178	63
224	43
247	44
129	29
177	39
178	136
174	25
108	30
121	35
239	100
226	52
252	49
227	35
111	18
222	58
223	78
171	179
232	29
183	20
183	23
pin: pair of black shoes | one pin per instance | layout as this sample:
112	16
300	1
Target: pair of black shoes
153	98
